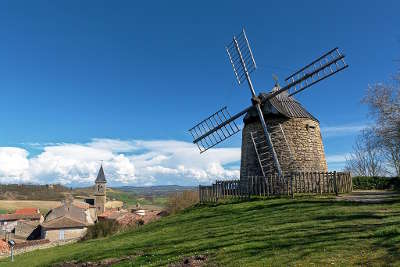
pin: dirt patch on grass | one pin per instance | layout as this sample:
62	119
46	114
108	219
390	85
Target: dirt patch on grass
102	263
193	261
370	196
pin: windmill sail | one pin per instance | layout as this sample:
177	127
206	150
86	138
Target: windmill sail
241	57
318	70
215	129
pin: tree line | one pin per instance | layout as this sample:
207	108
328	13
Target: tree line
376	151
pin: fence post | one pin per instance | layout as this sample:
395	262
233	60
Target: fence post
287	185
328	179
200	193
351	182
216	191
248	187
212	193
291	185
335	186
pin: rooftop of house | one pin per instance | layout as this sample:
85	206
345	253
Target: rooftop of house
64	222
16	217
27	211
70	215
111	214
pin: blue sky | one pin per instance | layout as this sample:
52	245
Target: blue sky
125	76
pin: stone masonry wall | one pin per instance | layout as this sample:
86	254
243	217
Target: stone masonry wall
100	203
73	233
305	143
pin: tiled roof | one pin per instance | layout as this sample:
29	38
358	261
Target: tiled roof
15	217
112	215
63	222
68	209
81	204
68	215
27	211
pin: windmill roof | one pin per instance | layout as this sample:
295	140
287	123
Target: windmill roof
101	178
281	104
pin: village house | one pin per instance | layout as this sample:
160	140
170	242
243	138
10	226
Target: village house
8	222
69	221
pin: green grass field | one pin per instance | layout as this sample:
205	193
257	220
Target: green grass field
279	232
131	199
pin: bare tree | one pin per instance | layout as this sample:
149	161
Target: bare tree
366	159
383	101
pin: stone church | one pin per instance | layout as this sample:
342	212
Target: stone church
100	197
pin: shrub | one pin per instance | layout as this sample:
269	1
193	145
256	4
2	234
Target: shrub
101	229
380	183
181	200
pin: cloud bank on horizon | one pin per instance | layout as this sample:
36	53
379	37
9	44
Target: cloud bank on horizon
132	162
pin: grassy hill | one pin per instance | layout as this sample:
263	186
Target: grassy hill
279	232
32	192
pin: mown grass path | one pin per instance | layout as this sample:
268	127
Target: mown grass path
279	232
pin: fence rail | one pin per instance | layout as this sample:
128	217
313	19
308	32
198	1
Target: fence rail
273	185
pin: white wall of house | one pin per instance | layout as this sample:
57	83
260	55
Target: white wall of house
8	225
63	234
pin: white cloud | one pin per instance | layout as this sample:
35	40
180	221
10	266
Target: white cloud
14	165
336	162
135	162
338	158
342	130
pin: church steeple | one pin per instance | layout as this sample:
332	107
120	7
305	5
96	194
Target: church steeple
100	191
101	178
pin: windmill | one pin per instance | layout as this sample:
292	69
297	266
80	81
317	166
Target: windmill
221	125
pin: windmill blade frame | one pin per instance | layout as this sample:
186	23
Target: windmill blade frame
241	57
215	129
323	67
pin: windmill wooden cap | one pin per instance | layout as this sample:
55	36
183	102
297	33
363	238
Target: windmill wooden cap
280	105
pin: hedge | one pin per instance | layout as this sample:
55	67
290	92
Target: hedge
381	183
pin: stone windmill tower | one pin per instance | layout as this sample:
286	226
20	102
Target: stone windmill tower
279	134
100	197
294	132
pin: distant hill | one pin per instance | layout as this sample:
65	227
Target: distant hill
159	190
54	192
33	192
153	196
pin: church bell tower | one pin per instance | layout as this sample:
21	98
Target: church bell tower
100	191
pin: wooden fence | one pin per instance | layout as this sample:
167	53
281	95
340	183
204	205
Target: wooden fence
273	185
